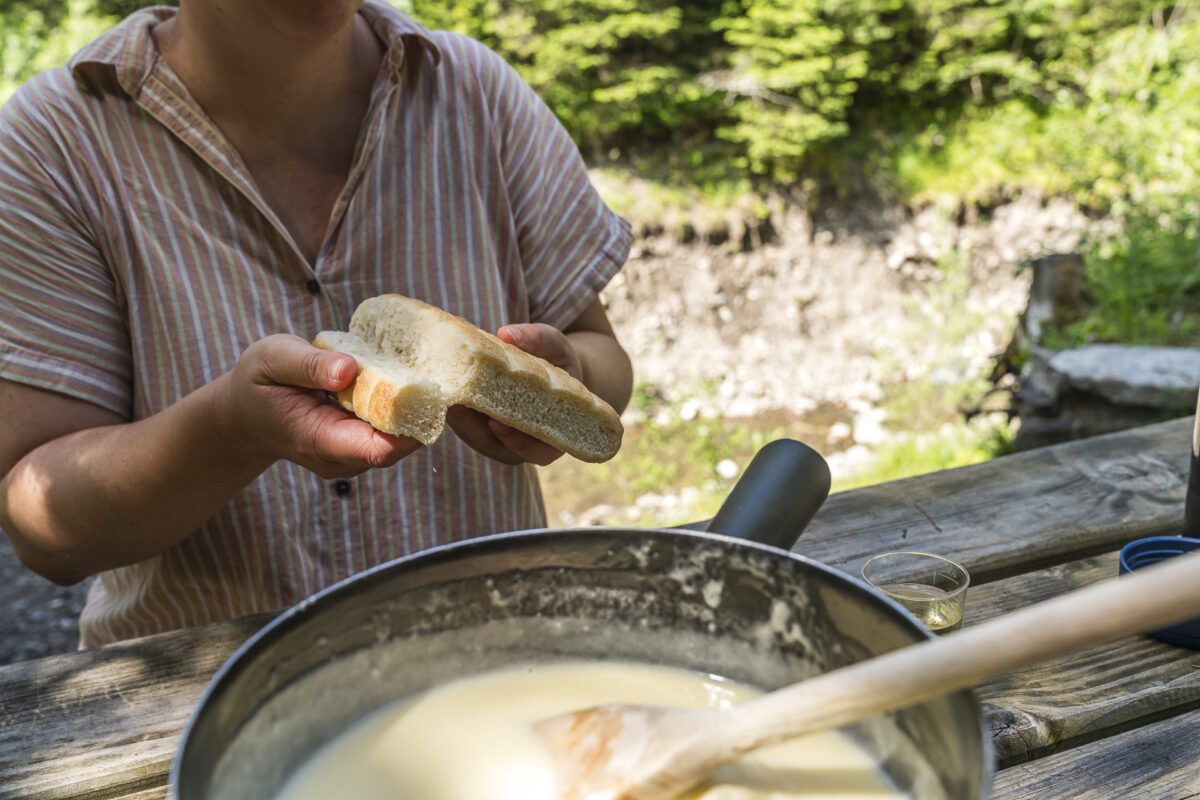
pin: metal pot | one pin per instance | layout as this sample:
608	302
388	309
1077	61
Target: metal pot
697	600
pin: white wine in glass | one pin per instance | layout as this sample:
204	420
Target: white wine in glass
931	605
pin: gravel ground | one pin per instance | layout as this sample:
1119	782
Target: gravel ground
39	617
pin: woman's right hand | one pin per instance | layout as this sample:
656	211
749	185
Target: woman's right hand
278	407
83	490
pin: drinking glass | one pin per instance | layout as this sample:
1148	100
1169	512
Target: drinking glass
932	587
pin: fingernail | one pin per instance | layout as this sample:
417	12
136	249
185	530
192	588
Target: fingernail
337	368
518	336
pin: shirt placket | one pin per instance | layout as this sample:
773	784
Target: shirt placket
164	97
365	148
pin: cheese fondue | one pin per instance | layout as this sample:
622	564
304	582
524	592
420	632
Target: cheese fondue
472	740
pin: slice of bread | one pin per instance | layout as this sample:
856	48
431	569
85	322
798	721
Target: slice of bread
415	361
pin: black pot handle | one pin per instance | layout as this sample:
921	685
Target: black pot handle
775	498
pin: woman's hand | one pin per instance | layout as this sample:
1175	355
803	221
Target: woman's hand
544	341
495	439
84	490
278	407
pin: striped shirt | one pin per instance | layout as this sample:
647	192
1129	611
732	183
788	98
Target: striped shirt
138	260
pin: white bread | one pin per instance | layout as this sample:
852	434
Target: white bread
415	361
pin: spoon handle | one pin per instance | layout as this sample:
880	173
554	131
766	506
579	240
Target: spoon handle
1160	595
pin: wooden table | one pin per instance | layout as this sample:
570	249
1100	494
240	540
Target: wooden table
1115	723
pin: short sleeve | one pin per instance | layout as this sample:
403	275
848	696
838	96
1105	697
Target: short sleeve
61	326
571	243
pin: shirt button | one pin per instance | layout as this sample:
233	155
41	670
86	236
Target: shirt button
313	286
343	488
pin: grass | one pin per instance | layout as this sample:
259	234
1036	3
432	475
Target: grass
954	445
1142	287
669	471
674	467
26	47
679	209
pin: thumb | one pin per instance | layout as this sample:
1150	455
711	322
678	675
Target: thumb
288	360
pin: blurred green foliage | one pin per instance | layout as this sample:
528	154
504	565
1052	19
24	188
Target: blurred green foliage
1098	99
920	100
1143	287
36	35
786	88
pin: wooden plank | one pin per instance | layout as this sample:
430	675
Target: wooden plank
1157	762
1017	512
1098	693
1010	594
1076	699
105	723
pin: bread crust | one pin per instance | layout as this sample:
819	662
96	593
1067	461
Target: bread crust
412	355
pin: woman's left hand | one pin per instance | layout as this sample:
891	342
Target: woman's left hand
497	440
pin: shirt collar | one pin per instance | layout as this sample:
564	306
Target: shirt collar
129	52
396	29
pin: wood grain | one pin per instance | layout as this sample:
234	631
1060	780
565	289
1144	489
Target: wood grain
631	751
105	723
1069	701
1010	594
1017	512
1157	762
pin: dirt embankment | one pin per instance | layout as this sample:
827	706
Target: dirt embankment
835	308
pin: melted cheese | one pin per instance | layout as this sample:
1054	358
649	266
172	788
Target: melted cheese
472	740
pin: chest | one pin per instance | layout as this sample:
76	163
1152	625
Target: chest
302	195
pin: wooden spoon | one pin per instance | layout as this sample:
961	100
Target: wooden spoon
636	752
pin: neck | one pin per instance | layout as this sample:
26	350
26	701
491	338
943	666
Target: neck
266	81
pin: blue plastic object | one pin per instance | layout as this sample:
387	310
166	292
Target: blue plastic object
1143	553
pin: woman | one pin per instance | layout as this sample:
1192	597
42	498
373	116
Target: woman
187	202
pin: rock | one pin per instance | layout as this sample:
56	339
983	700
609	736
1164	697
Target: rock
868	427
834	316
851	461
1041	386
1086	391
1128	375
596	515
838	431
728	469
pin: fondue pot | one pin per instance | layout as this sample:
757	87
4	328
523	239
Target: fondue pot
718	603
